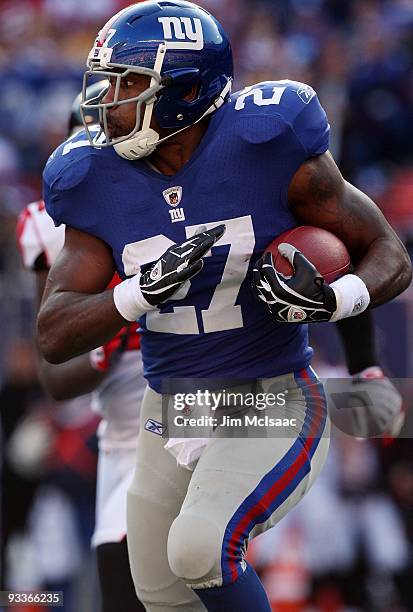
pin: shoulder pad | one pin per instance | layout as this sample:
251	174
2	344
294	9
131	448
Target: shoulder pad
69	163
37	235
266	109
71	177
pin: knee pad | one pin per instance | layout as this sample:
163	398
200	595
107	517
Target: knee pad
194	549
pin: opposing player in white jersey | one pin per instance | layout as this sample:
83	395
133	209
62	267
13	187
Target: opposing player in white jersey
113	373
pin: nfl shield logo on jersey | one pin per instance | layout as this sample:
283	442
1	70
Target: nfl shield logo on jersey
173	195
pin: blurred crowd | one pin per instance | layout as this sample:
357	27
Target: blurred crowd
358	55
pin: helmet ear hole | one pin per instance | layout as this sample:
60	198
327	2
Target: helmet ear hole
192	93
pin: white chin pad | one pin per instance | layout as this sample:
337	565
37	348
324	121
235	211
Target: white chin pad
141	145
287	250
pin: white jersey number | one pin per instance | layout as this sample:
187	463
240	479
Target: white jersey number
222	313
82	142
258	97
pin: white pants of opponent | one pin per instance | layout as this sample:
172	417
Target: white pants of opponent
190	529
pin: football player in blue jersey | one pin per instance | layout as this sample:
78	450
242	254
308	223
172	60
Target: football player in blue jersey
181	190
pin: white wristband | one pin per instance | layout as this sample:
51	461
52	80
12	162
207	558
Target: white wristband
352	296
129	300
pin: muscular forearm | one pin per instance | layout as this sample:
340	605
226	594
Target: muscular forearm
70	324
384	264
71	379
388	256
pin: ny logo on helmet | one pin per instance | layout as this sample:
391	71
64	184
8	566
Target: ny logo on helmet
184	29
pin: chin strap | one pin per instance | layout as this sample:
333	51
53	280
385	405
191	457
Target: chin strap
141	145
144	142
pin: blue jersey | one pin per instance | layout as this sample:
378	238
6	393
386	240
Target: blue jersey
239	175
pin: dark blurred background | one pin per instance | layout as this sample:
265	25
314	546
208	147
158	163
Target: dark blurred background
349	546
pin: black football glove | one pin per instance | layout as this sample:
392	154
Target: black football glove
178	264
304	297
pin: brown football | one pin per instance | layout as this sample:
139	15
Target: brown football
325	251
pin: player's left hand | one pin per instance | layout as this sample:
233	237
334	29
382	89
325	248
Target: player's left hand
304	297
178	264
367	405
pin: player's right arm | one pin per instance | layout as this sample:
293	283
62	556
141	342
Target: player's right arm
40	242
74	377
78	313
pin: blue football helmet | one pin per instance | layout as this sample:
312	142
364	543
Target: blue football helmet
178	45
